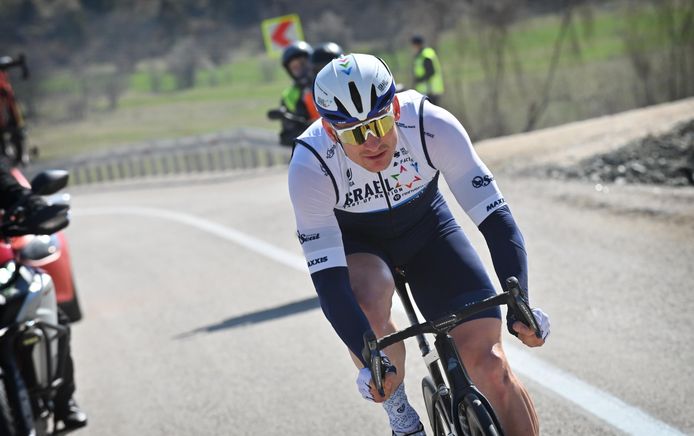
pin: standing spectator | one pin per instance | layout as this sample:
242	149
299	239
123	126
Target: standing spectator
427	70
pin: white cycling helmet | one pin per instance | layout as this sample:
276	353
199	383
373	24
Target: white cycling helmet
353	88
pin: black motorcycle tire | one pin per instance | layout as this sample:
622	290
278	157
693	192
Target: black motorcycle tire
473	414
8	425
72	308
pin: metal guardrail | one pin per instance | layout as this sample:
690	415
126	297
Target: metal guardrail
212	153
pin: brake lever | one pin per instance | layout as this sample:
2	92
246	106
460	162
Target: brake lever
519	307
372	356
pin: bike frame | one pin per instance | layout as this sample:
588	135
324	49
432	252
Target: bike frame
451	380
445	366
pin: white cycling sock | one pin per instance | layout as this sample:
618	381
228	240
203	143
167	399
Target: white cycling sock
403	418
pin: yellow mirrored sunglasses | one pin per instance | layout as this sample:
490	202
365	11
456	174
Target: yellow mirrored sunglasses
357	135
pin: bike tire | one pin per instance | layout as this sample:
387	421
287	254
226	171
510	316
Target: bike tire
8	425
476	418
436	408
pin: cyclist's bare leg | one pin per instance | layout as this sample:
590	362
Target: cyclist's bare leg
373	286
479	345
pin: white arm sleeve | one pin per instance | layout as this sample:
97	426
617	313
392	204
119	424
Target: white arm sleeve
451	152
313	197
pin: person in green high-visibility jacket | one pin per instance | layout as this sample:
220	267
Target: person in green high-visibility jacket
297	110
427	70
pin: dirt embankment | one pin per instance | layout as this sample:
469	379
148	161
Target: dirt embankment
666	159
636	163
567	145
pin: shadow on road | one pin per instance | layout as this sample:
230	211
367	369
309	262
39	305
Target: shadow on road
257	317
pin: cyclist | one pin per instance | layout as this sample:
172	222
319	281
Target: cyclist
297	101
323	54
363	182
66	409
11	120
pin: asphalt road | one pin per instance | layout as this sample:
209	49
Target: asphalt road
199	318
188	332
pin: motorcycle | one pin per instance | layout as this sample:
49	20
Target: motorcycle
52	254
33	345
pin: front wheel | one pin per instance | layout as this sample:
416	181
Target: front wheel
437	409
475	418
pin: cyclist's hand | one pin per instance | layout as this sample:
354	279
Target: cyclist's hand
367	387
389	386
527	335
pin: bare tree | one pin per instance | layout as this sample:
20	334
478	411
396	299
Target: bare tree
492	20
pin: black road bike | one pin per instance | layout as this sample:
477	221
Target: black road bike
454	404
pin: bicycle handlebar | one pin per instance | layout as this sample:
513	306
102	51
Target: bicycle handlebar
512	297
519	307
372	356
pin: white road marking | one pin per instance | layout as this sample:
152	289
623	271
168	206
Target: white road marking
603	405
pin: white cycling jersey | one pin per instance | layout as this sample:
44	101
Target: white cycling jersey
323	180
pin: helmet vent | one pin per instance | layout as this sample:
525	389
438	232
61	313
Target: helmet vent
356	98
374	97
340	107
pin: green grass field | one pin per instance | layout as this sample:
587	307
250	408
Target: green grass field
239	94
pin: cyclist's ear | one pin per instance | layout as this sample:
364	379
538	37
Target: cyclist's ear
396	108
329	130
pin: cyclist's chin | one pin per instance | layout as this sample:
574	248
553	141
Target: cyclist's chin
377	162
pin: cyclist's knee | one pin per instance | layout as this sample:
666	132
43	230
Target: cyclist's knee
375	299
490	369
373	286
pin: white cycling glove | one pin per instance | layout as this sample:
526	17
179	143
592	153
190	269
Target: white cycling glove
542	322
364	383
364	377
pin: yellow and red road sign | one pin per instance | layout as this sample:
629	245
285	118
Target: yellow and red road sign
280	32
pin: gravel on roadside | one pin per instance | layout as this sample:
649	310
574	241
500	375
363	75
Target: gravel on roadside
666	159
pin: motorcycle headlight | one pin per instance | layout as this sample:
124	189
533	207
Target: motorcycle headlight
7	271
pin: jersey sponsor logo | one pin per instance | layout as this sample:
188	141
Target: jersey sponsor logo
349	174
331	152
497	203
405	126
317	260
370	191
480	181
303	237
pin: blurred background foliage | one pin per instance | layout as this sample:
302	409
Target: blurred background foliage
113	72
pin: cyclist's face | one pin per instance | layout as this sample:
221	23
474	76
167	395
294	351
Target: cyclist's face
375	153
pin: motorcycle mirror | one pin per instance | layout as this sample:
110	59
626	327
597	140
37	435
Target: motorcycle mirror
275	114
49	182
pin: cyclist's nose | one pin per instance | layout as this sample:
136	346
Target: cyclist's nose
372	141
